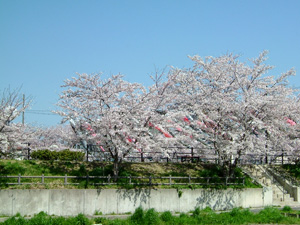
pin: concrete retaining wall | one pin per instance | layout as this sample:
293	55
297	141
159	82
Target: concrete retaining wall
66	202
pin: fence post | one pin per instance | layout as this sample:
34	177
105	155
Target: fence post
108	178
28	151
66	179
170	180
189	179
142	157
226	181
129	179
43	177
19	179
87	179
150	180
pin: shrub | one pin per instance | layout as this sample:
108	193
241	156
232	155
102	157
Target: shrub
269	215
196	212
17	219
287	209
166	216
40	218
44	155
138	216
65	155
151	217
101	220
82	220
184	219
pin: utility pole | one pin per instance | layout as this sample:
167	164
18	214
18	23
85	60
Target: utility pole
23	113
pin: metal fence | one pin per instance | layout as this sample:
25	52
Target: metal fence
181	154
122	180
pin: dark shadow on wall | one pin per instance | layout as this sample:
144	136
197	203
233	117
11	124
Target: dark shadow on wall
137	195
220	200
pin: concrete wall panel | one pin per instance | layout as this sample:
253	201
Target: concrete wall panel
67	202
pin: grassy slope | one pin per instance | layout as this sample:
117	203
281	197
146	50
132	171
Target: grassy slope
60	168
14	167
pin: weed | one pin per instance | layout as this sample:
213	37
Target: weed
151	217
179	192
286	209
82	220
97	213
166	216
196	212
138	216
269	214
100	220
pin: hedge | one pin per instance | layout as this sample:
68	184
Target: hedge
65	155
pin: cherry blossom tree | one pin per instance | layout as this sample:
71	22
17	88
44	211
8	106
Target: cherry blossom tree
57	137
221	106
113	114
236	108
12	104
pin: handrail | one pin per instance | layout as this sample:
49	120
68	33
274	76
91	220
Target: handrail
274	181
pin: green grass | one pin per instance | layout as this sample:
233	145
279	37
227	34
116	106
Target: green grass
293	170
206	216
44	219
269	215
75	168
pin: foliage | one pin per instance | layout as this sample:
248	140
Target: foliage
12	168
166	217
151	217
293	169
269	215
43	219
227	108
234	109
286	208
111	114
138	217
65	155
12	104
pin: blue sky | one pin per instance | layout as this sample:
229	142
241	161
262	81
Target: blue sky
42	43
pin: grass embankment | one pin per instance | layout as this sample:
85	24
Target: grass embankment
76	168
290	172
268	215
292	169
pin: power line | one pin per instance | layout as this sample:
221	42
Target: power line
41	112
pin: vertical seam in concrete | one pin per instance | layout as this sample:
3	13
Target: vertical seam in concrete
49	202
149	200
12	203
84	198
179	201
118	199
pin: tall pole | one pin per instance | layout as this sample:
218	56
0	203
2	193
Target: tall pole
23	113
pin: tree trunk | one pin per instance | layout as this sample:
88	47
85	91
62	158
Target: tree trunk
117	163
